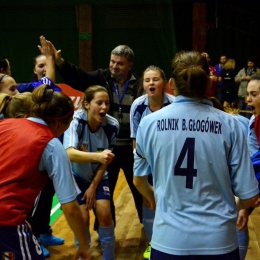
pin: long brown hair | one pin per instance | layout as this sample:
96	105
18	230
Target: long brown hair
50	105
190	70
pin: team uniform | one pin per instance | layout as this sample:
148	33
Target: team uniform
140	108
254	144
80	137
243	236
28	177
39	217
121	98
29	87
243	121
195	162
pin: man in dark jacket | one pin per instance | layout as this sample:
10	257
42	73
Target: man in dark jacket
122	86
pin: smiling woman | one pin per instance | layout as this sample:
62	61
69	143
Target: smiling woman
88	142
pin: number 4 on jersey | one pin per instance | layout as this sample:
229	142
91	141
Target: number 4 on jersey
188	148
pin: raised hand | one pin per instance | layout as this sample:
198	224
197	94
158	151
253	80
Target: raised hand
46	47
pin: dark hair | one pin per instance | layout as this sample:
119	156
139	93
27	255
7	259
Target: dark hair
216	103
51	105
34	76
2	76
255	77
190	70
252	59
3	62
90	92
126	51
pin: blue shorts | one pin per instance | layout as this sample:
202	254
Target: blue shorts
155	254
102	191
19	243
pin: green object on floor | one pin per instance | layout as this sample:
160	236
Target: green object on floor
147	252
56	211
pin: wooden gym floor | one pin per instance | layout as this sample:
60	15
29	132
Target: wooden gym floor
130	238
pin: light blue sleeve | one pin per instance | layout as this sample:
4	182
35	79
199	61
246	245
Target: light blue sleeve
141	166
56	162
242	174
135	121
252	138
133	126
135	116
71	138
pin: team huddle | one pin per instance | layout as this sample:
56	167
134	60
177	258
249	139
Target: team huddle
192	169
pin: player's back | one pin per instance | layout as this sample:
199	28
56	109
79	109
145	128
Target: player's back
200	150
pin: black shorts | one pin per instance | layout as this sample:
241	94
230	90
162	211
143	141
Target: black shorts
19	243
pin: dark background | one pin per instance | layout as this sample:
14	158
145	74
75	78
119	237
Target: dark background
154	29
235	28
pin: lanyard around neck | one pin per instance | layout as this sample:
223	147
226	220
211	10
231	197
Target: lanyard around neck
120	99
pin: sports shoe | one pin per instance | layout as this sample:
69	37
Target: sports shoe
45	252
147	252
50	240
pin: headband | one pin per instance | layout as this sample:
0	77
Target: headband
2	77
60	118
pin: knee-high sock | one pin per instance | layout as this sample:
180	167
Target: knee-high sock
243	241
148	218
88	237
107	240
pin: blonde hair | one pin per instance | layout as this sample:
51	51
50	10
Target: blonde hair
230	64
15	106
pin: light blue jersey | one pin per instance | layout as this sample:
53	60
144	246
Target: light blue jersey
81	138
58	168
252	138
244	122
140	108
199	159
